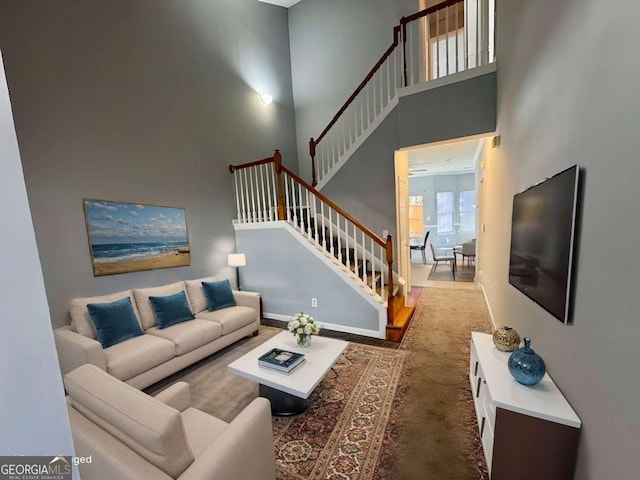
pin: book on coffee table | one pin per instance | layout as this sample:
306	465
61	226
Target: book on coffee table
281	360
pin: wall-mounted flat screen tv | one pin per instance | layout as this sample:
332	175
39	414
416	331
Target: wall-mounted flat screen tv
542	242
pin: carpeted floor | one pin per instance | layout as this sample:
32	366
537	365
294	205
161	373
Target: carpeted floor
432	432
390	415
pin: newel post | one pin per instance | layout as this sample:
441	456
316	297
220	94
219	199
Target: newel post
389	251
277	164
312	152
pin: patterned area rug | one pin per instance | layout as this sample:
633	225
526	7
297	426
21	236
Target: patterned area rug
340	434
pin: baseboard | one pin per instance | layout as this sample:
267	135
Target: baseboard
486	300
330	326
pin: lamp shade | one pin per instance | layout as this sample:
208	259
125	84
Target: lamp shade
237	260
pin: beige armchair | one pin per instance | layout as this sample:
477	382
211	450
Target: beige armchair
130	435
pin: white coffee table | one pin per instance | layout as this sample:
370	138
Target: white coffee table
288	393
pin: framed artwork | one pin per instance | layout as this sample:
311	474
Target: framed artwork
129	237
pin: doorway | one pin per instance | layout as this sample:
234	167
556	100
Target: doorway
444	180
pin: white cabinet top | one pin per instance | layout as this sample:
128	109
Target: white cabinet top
542	400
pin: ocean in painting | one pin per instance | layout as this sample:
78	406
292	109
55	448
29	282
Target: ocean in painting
128	252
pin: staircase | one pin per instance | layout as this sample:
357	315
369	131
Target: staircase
443	40
267	191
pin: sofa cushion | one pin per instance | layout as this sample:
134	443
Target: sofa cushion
171	309
114	321
196	295
152	429
147	315
219	294
189	335
136	355
231	319
80	319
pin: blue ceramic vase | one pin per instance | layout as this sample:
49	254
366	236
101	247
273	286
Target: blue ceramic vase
526	366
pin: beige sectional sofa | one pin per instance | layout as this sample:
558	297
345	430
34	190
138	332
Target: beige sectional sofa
131	436
143	360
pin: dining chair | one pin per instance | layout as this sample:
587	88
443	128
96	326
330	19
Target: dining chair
443	258
468	252
422	247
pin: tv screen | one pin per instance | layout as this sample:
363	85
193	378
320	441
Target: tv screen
542	241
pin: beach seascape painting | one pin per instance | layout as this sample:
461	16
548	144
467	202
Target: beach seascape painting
128	237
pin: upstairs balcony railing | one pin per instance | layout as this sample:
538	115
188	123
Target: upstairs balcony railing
451	37
267	191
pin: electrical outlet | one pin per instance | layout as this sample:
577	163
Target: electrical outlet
384	234
314	302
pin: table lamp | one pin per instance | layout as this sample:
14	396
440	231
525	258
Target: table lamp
237	260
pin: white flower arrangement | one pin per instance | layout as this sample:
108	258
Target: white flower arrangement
302	326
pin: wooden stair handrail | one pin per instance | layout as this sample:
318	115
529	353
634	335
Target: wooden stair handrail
233	168
338	209
279	169
388	244
364	82
396	40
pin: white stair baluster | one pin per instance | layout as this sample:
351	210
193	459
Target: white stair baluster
466	38
294	202
355	251
315	218
263	201
275	192
287	205
254	211
300	206
339	242
346	241
324	232
373	269
268	167
364	260
437	44
446	36
457	59
330	231
246	196
235	181
382	265
309	236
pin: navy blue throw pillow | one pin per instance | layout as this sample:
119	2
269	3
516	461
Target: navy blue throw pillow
219	295
171	309
114	322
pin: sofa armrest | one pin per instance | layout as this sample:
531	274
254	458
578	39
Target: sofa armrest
75	349
248	299
244	450
177	396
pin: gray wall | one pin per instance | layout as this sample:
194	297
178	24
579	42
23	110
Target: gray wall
143	101
334	44
568	93
33	414
455	110
288	276
365	186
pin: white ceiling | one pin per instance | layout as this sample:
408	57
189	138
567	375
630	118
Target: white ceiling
450	158
281	3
